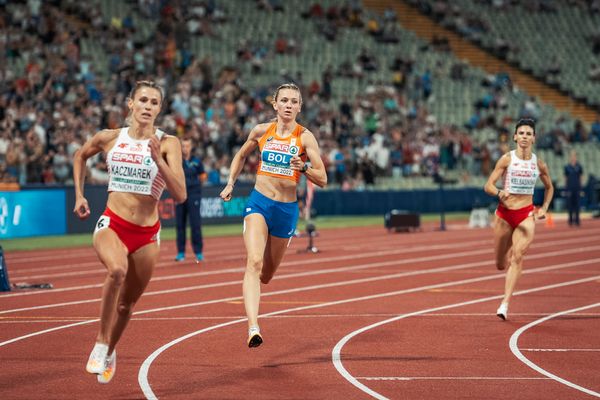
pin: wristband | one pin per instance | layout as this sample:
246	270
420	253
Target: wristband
498	194
304	168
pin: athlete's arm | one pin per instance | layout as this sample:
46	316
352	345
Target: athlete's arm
316	173
170	165
237	164
93	146
548	186
490	186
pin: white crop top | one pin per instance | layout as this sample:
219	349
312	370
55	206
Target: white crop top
131	168
521	175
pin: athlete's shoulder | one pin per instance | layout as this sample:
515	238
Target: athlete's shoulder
107	135
262	127
259	130
504	161
307	136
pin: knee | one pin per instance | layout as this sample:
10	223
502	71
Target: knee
116	275
124	309
517	260
254	264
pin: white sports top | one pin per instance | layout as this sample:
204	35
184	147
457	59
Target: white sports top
521	175
131	168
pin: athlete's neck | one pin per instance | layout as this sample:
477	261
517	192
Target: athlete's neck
140	132
285	128
523	154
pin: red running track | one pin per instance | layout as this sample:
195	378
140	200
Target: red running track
373	315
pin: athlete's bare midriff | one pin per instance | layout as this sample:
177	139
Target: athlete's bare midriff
277	189
516	201
138	209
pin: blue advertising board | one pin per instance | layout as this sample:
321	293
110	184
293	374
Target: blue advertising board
32	213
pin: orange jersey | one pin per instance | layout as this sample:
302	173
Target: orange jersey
276	153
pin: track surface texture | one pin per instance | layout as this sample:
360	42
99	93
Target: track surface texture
373	314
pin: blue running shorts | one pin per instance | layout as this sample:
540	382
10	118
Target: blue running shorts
281	218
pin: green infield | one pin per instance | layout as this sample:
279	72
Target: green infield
85	239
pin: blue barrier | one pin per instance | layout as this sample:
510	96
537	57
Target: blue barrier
32	213
37	211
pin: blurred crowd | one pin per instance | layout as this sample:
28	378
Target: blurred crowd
62	98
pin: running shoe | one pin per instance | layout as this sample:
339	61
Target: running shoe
254	337
110	368
95	364
180	257
502	311
199	257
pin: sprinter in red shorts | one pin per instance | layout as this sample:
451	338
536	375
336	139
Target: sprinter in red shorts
515	226
142	160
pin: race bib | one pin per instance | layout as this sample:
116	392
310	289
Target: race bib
103	222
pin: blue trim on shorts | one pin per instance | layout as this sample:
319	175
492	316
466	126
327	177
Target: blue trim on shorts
281	218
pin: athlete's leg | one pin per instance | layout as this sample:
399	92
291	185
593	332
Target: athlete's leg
522	238
195	220
113	254
141	266
274	252
256	234
502	242
181	211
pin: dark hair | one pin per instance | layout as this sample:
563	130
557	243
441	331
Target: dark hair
527	122
150	84
287	86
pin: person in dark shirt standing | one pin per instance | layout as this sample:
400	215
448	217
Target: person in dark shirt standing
194	176
573	173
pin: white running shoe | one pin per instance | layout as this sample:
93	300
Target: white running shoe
97	360
111	367
254	337
502	311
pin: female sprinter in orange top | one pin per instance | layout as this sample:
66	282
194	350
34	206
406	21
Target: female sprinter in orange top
514	227
141	160
272	211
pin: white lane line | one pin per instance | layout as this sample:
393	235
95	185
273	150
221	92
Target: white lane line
559	350
145	368
314	287
449	378
337	350
320	260
514	347
154	279
46	319
317	272
338	269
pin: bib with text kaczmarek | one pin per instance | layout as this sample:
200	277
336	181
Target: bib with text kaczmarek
131	168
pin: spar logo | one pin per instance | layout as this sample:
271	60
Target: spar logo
293	150
147	160
129	158
280	147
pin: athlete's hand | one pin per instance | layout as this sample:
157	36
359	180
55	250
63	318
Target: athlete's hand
227	192
502	195
296	163
82	209
541	213
155	148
